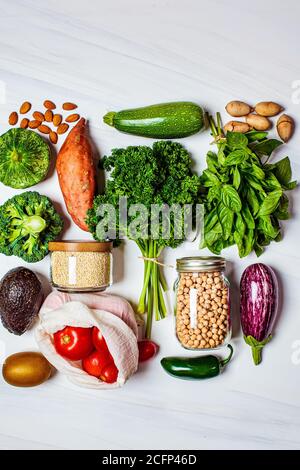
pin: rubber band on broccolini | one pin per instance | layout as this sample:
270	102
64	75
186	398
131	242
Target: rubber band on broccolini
28	222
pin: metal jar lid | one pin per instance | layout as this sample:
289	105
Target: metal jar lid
200	264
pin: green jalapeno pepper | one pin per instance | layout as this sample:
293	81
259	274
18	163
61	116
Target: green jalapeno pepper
195	368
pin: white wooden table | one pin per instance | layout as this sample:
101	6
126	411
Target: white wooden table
108	56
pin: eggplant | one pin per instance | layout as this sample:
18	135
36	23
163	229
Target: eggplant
258	307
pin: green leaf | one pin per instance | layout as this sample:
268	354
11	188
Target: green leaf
236	140
282	212
226	217
212	162
258	249
257	172
253	201
213	235
248	218
266	226
221	154
236	157
211	219
248	242
214	192
217	247
291	185
267	147
253	136
271	182
209	178
236	178
231	198
240	226
283	171
254	182
270	203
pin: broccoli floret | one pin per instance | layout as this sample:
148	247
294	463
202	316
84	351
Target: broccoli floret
28	222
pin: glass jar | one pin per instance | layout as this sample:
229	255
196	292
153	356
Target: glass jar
202	303
79	266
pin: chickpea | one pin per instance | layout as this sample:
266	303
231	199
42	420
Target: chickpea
186	322
209	281
197	331
204	330
180	297
196	343
193	337
209	334
199	337
212	343
189	283
215	337
202	343
217	280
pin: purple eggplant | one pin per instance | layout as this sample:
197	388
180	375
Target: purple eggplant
259	306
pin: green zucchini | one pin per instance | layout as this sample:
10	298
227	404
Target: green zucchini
159	121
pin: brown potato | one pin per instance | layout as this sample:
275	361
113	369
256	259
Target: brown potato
260	123
285	127
238	108
237	126
268	108
26	369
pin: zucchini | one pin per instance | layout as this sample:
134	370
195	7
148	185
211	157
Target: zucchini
159	121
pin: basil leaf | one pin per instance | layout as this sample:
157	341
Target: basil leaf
270	203
236	178
236	157
221	155
271	182
283	171
267	147
266	226
291	185
282	212
225	217
253	200
240	226
254	182
236	140
248	242
258	250
210	220
212	162
214	193
252	136
231	198
213	235
247	216
257	172
217	247
209	178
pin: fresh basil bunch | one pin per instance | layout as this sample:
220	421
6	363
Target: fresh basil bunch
245	197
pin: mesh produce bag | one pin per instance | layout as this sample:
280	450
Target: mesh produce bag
114	317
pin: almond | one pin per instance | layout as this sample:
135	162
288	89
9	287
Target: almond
24	123
44	129
259	123
69	106
34	124
268	108
48	115
49	104
285	127
25	107
72	118
57	119
62	128
38	116
53	137
13	118
237	126
238	108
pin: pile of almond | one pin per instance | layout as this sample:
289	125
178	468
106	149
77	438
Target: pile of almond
41	120
258	118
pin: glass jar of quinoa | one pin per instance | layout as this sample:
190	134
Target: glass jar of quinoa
202	303
81	266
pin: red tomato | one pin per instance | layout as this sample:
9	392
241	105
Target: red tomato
96	362
147	349
74	343
109	373
99	341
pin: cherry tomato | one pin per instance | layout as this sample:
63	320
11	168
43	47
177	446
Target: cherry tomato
99	340
147	349
74	343
96	362
109	373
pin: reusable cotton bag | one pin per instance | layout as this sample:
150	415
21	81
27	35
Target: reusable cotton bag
114	317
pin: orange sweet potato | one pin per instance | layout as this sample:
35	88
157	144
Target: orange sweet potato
76	173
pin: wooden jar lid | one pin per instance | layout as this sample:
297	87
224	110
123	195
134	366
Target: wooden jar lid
81	246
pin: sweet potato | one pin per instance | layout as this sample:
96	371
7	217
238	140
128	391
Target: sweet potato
76	173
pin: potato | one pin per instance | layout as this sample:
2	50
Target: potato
285	127
268	108
26	369
77	174
238	108
237	126
260	123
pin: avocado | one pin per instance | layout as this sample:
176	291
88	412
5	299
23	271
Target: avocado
21	296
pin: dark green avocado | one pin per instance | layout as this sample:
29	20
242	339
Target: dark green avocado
21	296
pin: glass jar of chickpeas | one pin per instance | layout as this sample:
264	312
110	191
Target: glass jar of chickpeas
202	303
